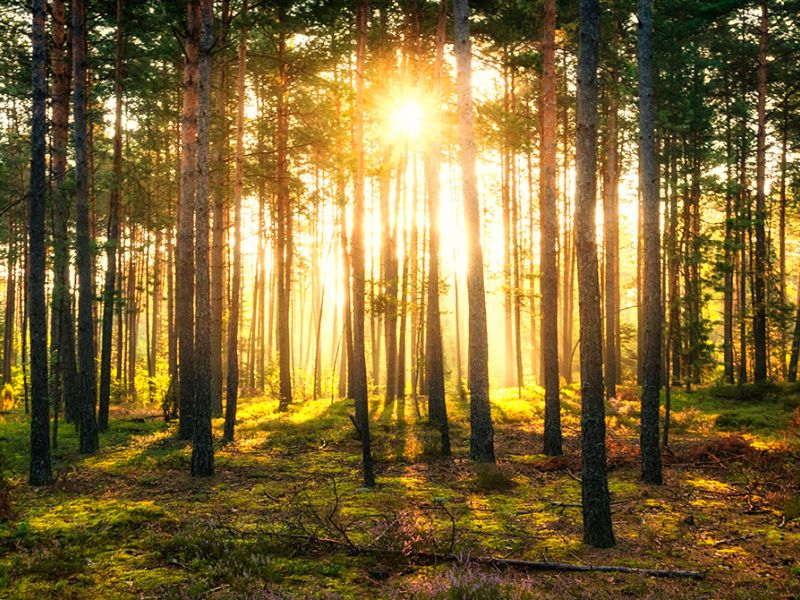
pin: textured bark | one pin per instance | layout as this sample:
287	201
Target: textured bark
437	406
760	267
548	222
357	245
40	472
389	255
284	240
648	187
232	384
482	431
611	241
730	250
64	377
597	529
155	325
86	350
202	442
219	176
184	249
113	227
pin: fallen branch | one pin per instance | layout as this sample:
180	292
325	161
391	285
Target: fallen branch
506	562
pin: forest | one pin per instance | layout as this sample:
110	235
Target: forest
430	299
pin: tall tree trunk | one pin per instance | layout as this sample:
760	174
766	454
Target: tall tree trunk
548	222
202	447
63	332
40	472
760	267
437	406
86	351
782	235
217	241
113	227
597	529
11	302
389	256
482	431
357	244
184	250
232	385
284	231
648	185
156	322
729	258
611	240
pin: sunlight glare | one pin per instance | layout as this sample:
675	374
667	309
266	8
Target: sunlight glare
406	118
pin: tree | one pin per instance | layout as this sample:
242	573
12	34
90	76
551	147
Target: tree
481	443
597	530
184	249
202	442
760	273
549	232
357	251
40	473
83	251
113	227
236	284
437	406
283	242
63	378
648	186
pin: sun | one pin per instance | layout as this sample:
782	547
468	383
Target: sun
406	118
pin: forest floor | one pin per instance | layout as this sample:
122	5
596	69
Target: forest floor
278	518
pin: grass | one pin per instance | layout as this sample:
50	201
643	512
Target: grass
129	522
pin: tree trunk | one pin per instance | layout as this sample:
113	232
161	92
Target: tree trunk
548	222
218	233
65	375
437	406
482	430
184	250
86	351
357	245
597	529
611	240
283	241
113	227
40	472
202	442
648	185
760	267
232	385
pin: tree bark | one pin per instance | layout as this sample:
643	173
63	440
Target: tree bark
113	227
65	376
284	240
597	529
202	441
232	384
218	233
648	185
357	246
40	472
482	430
86	350
437	406
760	272
184	250
548	222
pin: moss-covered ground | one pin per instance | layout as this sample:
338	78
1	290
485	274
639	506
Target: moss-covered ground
129	522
